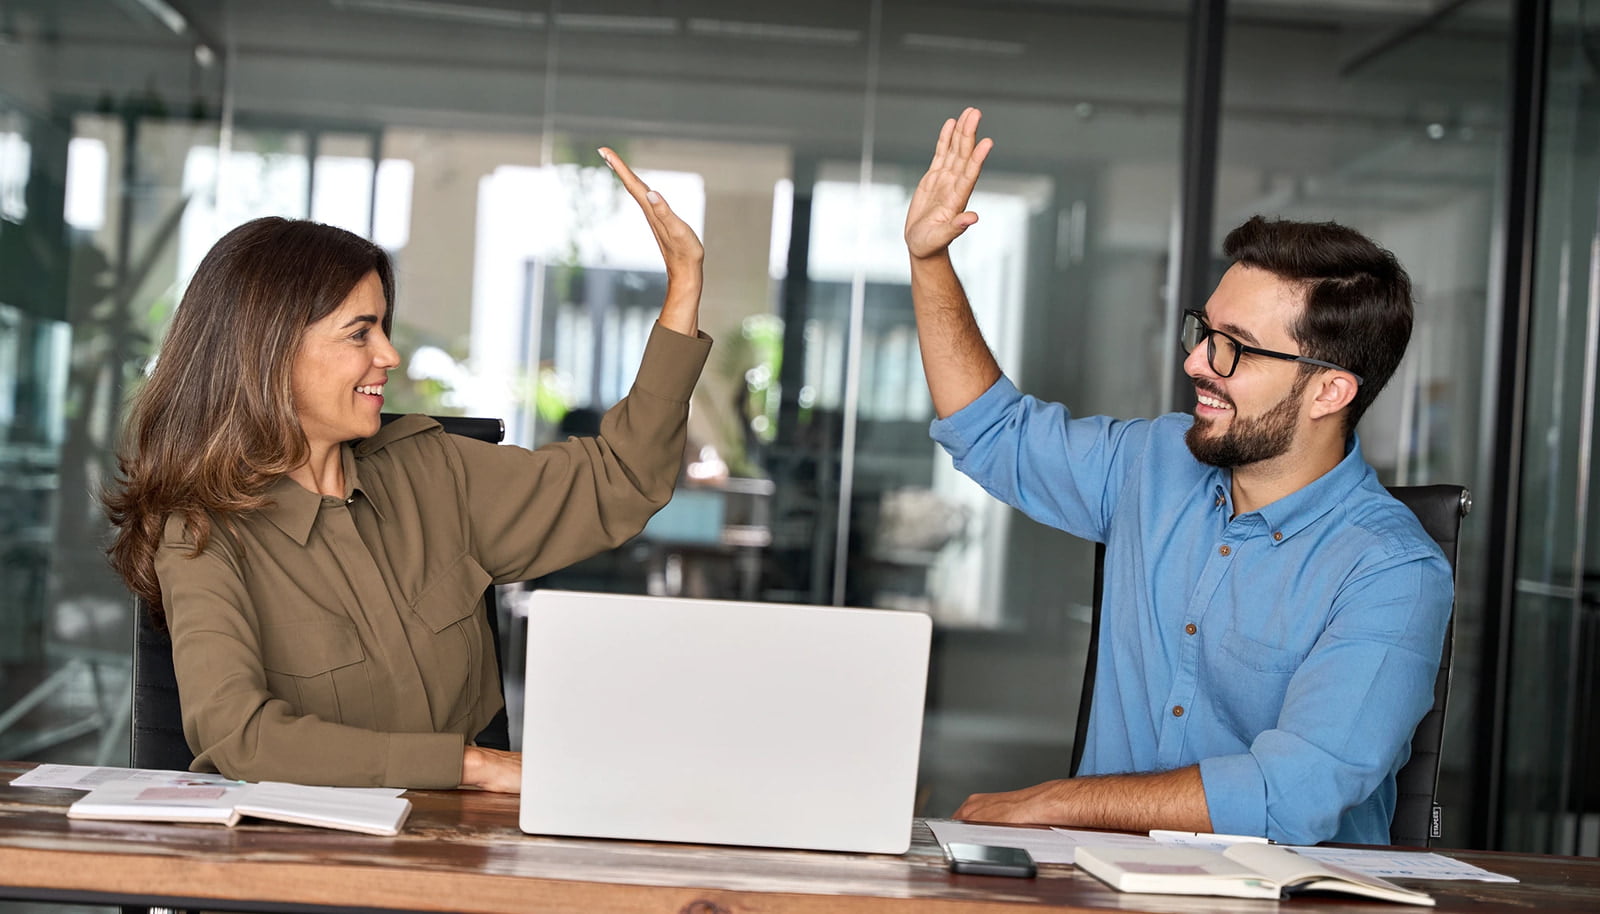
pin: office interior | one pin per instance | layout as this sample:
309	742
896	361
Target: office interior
1131	135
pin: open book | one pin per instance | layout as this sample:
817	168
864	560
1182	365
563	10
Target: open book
225	803
1242	871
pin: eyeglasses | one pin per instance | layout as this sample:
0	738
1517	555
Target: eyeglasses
1223	351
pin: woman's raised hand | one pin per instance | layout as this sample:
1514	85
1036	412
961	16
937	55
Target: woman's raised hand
680	248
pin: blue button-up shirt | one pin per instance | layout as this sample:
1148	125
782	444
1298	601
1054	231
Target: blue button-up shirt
1288	651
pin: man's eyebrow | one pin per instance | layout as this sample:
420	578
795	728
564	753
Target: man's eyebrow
1240	332
360	319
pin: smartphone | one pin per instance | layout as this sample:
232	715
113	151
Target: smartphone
991	860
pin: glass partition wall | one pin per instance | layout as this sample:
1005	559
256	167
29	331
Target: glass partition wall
460	135
99	115
1551	792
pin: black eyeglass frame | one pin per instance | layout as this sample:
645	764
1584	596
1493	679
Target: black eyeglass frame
1207	332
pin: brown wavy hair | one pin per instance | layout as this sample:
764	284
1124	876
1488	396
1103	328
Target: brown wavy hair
214	425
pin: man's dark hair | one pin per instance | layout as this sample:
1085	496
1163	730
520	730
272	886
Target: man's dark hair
1357	296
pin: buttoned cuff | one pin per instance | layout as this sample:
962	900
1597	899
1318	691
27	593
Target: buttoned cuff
957	431
1236	794
427	761
671	364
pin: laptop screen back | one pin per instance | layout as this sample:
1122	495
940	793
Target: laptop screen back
718	722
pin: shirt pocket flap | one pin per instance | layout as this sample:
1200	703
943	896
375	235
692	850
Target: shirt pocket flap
1263	657
455	593
309	648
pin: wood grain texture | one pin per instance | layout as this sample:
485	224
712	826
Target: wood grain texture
462	851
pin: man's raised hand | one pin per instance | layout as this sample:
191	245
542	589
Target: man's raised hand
938	212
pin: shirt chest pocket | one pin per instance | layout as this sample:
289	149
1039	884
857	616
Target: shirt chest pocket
454	651
1251	678
319	668
1260	656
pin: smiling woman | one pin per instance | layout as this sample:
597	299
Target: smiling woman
321	574
338	380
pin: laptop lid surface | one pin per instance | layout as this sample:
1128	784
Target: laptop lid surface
719	722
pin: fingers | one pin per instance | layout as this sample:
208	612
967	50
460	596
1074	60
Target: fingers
967	125
942	144
491	769
648	200
957	138
654	205
958	151
975	160
630	181
680	247
965	135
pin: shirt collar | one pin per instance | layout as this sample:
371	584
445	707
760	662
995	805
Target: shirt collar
1297	510
294	507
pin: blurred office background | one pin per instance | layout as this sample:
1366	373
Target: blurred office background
1132	134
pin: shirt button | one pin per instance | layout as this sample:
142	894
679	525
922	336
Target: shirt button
1225	550
1219	501
350	501
1277	536
1177	710
1190	629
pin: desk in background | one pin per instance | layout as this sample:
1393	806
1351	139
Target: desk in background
461	851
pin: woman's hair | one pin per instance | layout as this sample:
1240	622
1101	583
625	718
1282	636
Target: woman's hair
215	425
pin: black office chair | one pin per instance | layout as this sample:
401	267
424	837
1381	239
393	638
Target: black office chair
1417	818
1440	508
158	740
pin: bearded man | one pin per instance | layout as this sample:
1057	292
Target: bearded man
1272	618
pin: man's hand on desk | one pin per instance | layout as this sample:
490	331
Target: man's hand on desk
492	769
1133	802
1036	805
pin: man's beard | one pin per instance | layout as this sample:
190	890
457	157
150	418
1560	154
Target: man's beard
1250	440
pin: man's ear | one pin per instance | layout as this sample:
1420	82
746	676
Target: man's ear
1332	392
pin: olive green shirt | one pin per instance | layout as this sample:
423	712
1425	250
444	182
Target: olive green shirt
341	641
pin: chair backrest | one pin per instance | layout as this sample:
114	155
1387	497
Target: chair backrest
157	738
482	428
1416	821
157	722
1440	508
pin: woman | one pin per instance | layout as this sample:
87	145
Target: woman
322	578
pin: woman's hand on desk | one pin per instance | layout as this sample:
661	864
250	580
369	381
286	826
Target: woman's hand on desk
492	769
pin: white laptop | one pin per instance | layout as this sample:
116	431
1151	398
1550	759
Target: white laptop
716	722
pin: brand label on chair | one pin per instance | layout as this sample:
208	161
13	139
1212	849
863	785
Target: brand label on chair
1436	825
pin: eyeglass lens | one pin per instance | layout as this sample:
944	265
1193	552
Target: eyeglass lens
1220	349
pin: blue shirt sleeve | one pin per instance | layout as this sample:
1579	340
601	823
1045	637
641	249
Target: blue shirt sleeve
1035	457
1350	710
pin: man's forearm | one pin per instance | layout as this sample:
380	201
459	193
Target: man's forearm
957	362
1139	802
1130	802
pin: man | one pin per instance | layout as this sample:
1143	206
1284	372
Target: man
1273	619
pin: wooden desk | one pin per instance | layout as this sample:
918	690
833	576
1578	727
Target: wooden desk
461	851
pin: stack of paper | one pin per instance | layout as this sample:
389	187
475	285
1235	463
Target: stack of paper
148	795
224	804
